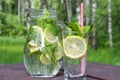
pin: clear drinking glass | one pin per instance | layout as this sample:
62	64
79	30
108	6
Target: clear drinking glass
74	66
43	52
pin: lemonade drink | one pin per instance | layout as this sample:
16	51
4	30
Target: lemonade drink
75	47
43	52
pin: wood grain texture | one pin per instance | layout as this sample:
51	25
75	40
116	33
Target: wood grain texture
95	71
103	71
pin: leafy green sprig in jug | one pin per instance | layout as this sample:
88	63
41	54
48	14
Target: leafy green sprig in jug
50	23
47	21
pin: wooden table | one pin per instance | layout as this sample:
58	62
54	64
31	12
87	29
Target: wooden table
95	71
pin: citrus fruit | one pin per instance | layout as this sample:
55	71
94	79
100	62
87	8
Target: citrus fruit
74	46
49	36
32	43
58	53
36	27
45	59
34	49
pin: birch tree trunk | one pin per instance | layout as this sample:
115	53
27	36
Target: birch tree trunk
0	5
69	10
19	3
78	10
27	6
94	6
65	6
87	5
87	13
110	24
9	9
44	4
0	12
23	12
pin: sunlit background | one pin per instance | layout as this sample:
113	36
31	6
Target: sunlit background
102	15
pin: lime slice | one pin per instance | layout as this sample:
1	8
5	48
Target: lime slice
45	59
34	49
74	46
58	53
49	36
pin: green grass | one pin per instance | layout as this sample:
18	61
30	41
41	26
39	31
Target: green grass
11	51
105	56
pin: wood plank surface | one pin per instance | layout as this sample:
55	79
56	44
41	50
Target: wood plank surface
95	71
103	71
18	72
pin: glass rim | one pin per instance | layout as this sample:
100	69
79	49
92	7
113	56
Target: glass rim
71	31
40	12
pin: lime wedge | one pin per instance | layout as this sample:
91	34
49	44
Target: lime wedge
74	46
49	36
45	59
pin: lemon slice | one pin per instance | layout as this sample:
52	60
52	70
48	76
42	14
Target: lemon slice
32	43
49	36
58	53
34	49
74	46
45	59
36	27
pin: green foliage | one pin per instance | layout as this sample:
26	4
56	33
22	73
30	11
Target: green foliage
10	25
101	23
116	22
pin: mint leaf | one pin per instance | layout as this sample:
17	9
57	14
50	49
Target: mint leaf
86	29
69	31
75	27
81	31
47	13
50	50
53	28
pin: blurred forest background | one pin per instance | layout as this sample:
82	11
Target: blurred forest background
102	15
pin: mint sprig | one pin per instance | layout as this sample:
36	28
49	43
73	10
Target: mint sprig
50	50
74	26
47	21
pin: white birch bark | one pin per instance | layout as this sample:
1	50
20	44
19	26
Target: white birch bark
19	3
69	10
44	4
78	10
0	12
9	8
87	5
27	6
110	24
0	5
94	6
23	11
87	13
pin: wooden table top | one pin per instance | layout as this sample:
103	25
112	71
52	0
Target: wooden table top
95	71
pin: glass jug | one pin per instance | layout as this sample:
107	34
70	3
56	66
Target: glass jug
43	50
